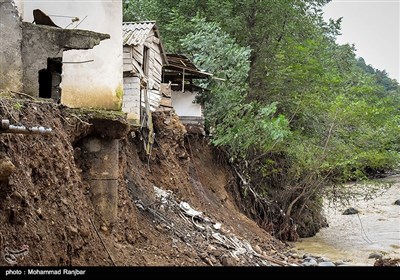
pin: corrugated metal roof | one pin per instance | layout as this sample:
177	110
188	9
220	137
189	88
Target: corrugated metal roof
135	33
179	62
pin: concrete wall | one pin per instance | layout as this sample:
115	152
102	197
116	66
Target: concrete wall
40	42
10	47
183	104
96	84
35	58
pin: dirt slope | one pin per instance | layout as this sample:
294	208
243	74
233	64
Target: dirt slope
46	205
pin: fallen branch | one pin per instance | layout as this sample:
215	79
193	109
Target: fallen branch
24	94
82	121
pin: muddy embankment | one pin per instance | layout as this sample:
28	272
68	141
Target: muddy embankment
173	208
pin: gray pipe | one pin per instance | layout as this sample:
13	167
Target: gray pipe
6	127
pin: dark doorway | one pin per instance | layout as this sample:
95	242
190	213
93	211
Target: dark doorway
50	79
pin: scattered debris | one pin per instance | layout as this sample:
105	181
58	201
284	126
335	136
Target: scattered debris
387	262
200	232
185	207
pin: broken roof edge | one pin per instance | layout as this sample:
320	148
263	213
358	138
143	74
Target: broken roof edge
70	38
189	66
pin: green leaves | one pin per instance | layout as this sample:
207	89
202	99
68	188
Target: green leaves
297	110
250	127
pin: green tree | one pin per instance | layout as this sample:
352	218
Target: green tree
296	113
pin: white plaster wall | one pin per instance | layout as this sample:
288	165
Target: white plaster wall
183	104
94	84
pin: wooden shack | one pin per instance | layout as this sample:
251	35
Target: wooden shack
144	57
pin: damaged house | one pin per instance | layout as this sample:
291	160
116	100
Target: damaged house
143	58
67	51
180	73
154	80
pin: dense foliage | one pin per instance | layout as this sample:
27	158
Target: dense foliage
296	113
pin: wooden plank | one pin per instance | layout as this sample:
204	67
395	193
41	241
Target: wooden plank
157	70
158	59
165	90
127	60
126	55
127	67
138	56
167	102
157	79
156	40
156	47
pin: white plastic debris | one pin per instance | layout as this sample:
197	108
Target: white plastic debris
161	194
217	226
185	207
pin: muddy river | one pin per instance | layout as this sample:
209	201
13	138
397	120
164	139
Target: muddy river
352	238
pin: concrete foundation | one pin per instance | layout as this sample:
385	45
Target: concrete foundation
101	172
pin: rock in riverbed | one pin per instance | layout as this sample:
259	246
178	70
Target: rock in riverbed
350	211
326	264
377	256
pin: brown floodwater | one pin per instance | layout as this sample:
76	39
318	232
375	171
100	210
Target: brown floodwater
352	238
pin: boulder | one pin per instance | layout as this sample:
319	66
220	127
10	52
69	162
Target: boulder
377	256
326	264
350	211
397	202
311	262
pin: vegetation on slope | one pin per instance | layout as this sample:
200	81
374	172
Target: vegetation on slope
297	113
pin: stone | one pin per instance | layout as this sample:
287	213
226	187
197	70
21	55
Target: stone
73	229
307	259
258	249
226	261
84	232
64	200
104	228
39	213
311	262
211	248
323	259
350	211
377	256
213	259
203	255
294	255
306	256
326	264
6	169
397	202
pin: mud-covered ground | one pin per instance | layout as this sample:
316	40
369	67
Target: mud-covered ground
45	206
